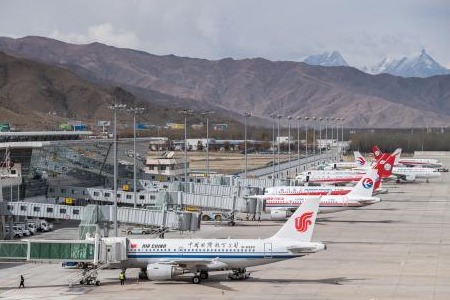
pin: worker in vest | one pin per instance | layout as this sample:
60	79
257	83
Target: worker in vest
122	278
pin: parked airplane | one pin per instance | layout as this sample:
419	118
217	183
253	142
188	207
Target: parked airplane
360	161
330	189
280	206
164	259
411	162
410	173
339	177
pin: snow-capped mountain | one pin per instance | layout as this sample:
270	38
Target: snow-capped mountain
422	65
327	59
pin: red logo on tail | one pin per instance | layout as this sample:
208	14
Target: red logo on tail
303	222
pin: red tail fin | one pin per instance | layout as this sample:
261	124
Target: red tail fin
384	165
377	152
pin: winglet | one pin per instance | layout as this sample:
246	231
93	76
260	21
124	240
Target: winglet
300	225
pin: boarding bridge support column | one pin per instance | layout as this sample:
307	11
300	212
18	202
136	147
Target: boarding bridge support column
2	212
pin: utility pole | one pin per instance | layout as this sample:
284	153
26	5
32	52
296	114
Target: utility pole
115	107
186	112
278	143
273	116
207	113
246	115
135	111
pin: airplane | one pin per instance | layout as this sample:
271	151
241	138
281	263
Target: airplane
410	173
280	206
360	161
411	162
164	259
339	177
330	189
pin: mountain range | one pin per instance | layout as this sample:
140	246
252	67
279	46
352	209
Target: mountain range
327	59
231	87
422	65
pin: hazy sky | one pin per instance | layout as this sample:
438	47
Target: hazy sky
363	31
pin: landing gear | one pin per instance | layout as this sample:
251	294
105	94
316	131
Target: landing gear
196	279
143	273
203	275
239	274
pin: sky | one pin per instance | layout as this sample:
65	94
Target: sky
363	31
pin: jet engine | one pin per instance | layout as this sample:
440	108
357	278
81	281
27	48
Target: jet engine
278	214
410	177
162	271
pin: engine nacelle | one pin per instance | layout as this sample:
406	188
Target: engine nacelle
162	272
410	178
278	214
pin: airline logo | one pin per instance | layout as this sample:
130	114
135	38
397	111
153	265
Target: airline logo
303	222
361	161
387	167
133	246
367	183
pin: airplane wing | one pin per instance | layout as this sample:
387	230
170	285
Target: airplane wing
190	263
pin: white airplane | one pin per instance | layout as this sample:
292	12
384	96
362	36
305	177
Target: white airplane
411	173
410	162
340	177
330	189
164	259
280	206
360	161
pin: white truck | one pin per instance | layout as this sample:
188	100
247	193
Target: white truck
41	225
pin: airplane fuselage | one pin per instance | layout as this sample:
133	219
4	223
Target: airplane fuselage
223	253
327	204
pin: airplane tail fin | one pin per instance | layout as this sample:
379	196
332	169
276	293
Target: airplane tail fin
376	152
384	165
365	185
359	159
397	154
300	225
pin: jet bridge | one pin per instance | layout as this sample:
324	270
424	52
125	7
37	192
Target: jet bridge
96	253
126	215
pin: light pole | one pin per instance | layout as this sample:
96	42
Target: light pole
135	111
273	116
185	112
314	135
298	143
332	121
207	113
115	107
326	132
306	135
337	135
246	115
289	139
278	143
320	135
342	135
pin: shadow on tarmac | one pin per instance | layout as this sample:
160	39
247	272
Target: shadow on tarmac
325	221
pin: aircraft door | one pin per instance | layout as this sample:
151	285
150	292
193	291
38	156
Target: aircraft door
267	250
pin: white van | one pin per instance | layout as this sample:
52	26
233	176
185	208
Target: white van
16	233
32	228
24	228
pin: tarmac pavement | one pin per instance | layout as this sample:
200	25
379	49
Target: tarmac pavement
396	249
